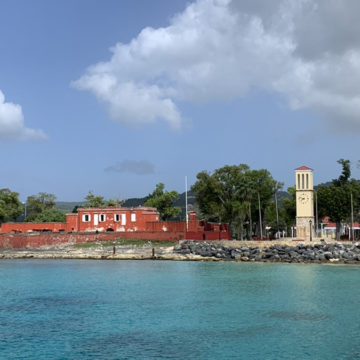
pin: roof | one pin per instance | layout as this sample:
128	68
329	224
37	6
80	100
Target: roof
113	209
304	168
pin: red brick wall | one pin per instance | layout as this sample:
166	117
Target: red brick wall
71	222
29	227
36	240
18	241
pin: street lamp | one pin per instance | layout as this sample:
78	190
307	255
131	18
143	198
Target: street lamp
24	211
310	223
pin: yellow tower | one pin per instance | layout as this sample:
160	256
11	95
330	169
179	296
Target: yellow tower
304	178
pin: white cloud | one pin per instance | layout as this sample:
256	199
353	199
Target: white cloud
12	125
141	167
218	50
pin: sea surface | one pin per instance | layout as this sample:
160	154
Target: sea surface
178	310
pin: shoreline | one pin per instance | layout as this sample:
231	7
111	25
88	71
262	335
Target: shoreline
219	251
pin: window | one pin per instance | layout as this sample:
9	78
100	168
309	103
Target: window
86	218
117	217
302	181
123	219
133	217
298	182
102	217
307	181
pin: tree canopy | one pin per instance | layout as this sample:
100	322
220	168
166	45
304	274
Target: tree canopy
38	204
334	200
231	194
98	201
10	205
163	201
94	201
50	215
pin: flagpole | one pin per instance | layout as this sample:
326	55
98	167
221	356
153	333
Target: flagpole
186	204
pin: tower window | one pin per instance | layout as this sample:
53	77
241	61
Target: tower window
302	181
307	181
298	181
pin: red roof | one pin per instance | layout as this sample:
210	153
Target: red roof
304	168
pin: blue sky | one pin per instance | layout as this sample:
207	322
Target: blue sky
116	96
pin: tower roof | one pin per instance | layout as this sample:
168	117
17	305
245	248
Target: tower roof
304	168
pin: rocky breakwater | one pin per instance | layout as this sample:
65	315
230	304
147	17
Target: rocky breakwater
297	253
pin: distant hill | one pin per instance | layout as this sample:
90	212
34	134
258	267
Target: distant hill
133	202
68	206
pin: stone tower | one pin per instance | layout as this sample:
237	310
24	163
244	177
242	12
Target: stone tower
304	178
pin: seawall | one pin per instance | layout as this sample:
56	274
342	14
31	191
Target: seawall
278	252
38	240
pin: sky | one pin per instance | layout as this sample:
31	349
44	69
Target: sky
115	96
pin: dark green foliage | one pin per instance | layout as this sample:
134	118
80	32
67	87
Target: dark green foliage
345	173
163	201
38	204
334	200
50	215
288	207
230	194
10	205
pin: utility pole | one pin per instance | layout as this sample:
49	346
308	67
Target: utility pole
186	204
352	216
250	222
260	219
25	211
277	215
316	215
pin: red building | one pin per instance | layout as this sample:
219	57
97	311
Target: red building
111	219
144	221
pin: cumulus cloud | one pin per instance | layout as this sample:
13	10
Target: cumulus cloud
308	51
12	125
141	167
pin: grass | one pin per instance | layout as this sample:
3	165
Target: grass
124	242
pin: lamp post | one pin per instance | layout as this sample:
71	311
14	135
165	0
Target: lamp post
260	219
277	217
310	223
24	211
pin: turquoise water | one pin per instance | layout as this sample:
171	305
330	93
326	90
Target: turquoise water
178	310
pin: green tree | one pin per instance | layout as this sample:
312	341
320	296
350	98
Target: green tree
289	207
334	200
10	205
163	201
265	188
94	201
50	215
230	194
37	204
114	202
